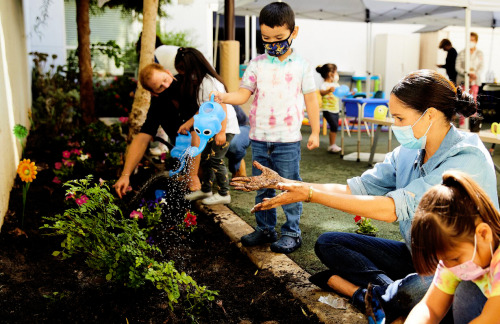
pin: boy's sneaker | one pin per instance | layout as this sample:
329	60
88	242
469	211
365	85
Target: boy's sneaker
286	244
334	148
259	237
198	194
217	199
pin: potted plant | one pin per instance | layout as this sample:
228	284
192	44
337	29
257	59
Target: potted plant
365	226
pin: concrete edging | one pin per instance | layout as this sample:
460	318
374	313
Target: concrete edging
282	267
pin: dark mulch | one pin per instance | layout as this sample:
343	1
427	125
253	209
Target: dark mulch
36	287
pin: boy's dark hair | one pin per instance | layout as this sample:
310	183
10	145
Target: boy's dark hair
277	14
444	42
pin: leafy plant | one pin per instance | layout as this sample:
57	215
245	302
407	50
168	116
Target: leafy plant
365	225
55	95
118	246
114	98
181	39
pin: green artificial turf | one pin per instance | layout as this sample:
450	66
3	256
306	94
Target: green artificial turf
319	166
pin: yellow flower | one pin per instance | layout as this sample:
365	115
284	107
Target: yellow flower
27	170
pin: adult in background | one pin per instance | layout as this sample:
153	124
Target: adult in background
475	67
451	58
423	104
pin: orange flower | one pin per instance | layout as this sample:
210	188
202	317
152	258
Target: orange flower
27	170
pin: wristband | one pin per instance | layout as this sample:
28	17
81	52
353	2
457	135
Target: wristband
125	174
309	197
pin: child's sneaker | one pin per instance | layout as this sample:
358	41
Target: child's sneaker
334	148
198	194
217	199
374	311
259	237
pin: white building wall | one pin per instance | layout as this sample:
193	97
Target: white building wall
49	37
15	93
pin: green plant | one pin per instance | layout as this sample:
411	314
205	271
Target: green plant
118	246
365	225
181	39
114	98
56	97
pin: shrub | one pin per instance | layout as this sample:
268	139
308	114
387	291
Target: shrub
117	246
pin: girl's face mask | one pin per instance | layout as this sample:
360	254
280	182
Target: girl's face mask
405	136
469	270
277	48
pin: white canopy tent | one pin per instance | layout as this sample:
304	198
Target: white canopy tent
437	13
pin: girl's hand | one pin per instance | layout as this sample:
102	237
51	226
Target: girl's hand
220	138
218	96
292	193
184	129
268	179
332	89
313	142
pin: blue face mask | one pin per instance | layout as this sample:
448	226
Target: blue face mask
405	136
277	48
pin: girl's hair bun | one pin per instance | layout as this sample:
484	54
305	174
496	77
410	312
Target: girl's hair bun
465	103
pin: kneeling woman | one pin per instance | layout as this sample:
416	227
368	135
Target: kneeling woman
423	105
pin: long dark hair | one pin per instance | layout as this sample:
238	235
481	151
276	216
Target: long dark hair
423	89
446	215
191	62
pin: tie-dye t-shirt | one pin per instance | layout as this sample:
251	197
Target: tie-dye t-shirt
489	283
278	107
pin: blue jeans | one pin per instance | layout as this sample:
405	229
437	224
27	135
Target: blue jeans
283	158
238	149
363	259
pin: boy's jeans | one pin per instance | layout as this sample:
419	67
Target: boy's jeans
388	265
283	158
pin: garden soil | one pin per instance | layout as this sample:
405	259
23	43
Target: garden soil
36	287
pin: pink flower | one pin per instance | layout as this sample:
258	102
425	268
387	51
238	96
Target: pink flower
56	180
136	214
101	181
76	151
82	200
66	154
123	120
357	218
163	156
68	163
69	196
58	166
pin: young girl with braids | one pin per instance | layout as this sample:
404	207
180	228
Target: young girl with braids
456	228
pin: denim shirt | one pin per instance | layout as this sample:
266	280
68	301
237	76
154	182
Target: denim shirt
404	178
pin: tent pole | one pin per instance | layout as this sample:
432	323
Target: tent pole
247	39
254	37
467	56
368	52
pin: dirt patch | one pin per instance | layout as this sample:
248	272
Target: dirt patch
38	287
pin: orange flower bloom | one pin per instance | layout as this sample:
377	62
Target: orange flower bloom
27	170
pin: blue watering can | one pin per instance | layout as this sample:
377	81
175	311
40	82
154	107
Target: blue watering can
207	123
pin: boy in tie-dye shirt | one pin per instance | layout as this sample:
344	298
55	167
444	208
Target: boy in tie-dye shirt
282	82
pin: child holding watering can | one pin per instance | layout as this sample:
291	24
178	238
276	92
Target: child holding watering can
200	80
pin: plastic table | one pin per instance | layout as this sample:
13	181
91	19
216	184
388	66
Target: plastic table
359	108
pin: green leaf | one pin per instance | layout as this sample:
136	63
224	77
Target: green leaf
108	277
56	253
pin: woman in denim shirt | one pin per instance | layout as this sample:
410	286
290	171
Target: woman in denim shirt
423	105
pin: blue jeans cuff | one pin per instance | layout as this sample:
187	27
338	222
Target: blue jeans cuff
292	234
358	299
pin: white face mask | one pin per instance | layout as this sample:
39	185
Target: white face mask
473	44
336	77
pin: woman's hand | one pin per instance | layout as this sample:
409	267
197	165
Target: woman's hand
122	186
268	179
292	192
